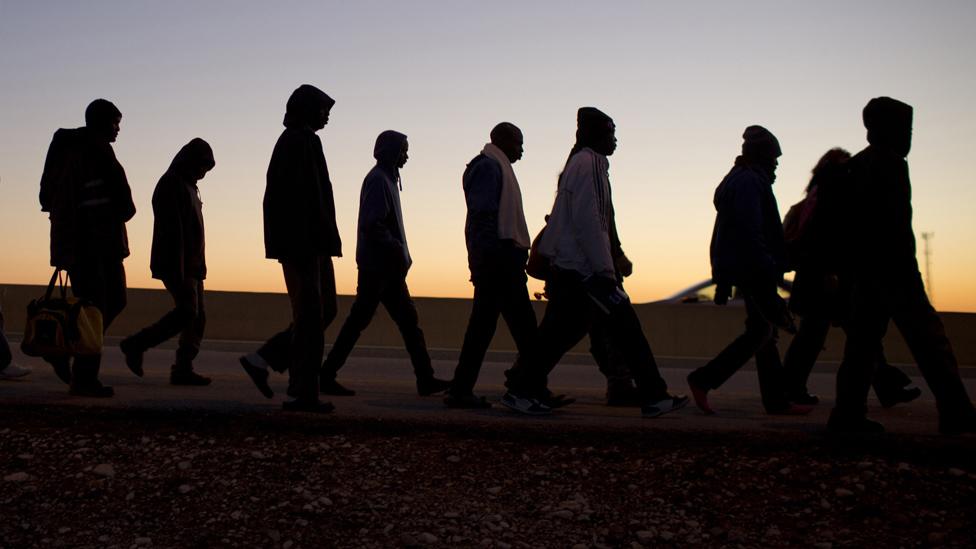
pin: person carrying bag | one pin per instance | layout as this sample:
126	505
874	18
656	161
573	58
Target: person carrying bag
60	325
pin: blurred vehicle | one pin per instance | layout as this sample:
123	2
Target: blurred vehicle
704	293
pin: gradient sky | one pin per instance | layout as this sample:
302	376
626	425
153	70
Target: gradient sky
681	79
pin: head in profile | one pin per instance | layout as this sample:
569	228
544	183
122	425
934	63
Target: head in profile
889	124
507	137
103	119
760	148
194	160
596	130
308	107
390	150
829	168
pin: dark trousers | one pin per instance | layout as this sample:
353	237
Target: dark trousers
5	356
570	315
758	340
101	281
802	354
507	297
390	289
608	358
188	318
905	304
299	348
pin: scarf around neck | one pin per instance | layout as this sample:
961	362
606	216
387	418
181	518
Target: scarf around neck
511	216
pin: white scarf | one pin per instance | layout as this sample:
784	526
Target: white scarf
511	217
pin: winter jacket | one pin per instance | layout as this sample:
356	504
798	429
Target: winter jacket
489	256
577	235
747	241
381	239
86	193
178	236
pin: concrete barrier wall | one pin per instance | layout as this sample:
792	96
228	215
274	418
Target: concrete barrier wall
679	330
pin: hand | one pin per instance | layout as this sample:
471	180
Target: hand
623	265
723	291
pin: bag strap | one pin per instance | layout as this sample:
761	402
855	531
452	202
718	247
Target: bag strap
50	285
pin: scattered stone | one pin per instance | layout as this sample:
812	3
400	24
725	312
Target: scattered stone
666	535
645	536
936	539
104	470
843	493
185	488
495	490
956	472
454	458
183	465
143	542
823	545
17	477
562	514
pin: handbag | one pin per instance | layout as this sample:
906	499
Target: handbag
538	266
62	326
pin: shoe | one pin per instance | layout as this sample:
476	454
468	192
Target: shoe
332	387
804	398
188	377
791	409
133	356
307	405
853	426
899	396
556	401
14	371
664	406
957	424
62	368
258	375
93	390
432	385
527	406
468	401
624	396
700	394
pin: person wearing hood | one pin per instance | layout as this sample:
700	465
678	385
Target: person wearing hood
888	286
178	260
583	286
300	232
383	260
86	194
748	252
498	242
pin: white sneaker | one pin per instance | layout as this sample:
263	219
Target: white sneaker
527	406
13	371
661	407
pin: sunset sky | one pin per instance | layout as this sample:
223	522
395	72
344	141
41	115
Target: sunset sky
681	80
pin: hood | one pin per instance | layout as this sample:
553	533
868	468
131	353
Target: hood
889	124
192	157
388	147
304	104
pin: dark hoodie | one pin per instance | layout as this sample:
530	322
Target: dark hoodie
299	208
382	242
178	236
86	193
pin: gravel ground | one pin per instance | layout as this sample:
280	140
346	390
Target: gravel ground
88	477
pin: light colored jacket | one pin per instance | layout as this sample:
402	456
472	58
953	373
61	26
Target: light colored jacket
577	236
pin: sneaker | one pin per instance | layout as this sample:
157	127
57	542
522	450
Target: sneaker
93	390
62	368
899	396
14	371
468	401
803	398
133	356
853	425
957	424
661	407
432	385
700	394
556	401
188	377
258	375
307	405
334	388
527	406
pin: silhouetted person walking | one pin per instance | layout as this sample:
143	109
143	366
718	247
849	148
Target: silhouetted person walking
87	196
300	232
748	252
8	369
178	260
582	284
383	260
887	282
822	285
498	242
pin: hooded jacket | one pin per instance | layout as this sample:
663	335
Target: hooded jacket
381	240
747	240
299	207
178	236
86	193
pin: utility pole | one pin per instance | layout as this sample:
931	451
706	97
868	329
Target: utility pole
926	237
